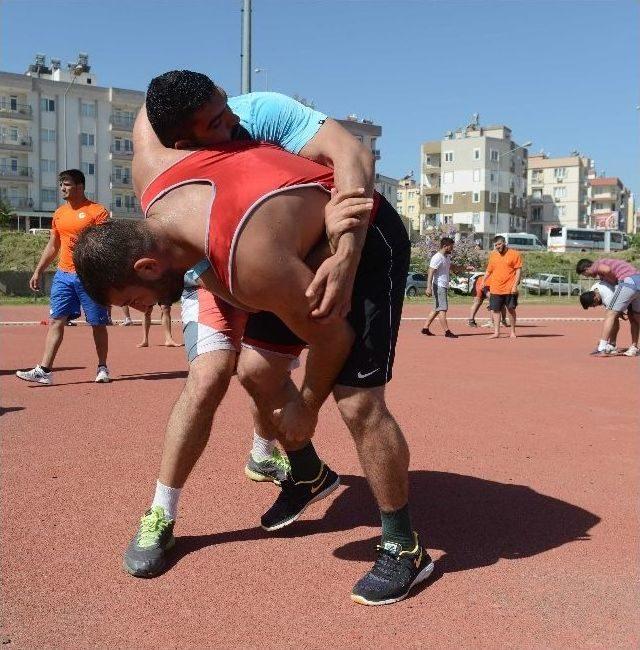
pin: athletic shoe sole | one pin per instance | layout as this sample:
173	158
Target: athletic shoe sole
43	381
258	478
104	380
321	495
421	577
157	572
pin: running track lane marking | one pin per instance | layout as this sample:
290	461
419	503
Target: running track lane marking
177	320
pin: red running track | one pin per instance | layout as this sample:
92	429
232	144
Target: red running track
524	478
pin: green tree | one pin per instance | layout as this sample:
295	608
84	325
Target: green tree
5	214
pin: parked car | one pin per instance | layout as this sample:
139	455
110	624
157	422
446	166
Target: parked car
550	283
463	285
416	284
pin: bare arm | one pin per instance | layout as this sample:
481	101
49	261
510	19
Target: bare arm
48	255
428	291
516	281
274	279
354	167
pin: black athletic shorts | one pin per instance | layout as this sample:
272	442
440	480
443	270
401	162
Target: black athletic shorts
376	306
499	300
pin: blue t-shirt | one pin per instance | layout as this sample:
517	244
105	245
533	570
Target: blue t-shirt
278	119
274	118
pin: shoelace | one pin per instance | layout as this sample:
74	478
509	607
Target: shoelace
152	526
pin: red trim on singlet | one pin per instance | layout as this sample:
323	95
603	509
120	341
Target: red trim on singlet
242	175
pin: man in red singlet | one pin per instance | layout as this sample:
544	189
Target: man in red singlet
258	215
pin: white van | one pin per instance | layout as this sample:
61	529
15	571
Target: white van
522	241
39	231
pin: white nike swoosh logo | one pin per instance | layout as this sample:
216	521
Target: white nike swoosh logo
366	374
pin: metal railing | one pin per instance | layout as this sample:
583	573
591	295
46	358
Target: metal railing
23	173
122	122
120	152
19	201
8	109
122	181
23	143
125	209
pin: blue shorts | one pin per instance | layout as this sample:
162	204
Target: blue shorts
68	294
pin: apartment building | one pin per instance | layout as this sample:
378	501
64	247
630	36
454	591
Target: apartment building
365	131
557	192
54	118
608	202
409	204
475	179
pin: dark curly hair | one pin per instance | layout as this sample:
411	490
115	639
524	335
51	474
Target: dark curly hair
172	99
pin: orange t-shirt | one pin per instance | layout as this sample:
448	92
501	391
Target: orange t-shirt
68	222
503	271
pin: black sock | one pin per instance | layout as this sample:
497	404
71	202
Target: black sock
47	370
396	527
305	464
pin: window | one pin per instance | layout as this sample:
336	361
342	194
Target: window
559	211
448	156
536	194
536	214
48	135
559	173
447	177
87	139
399	197
87	109
48	195
123	144
475	197
492	176
476	175
13	102
47	105
559	192
476	154
47	165
494	155
447	219
492	197
447	199
89	169
476	219
412	209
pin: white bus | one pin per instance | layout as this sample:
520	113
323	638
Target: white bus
563	239
522	241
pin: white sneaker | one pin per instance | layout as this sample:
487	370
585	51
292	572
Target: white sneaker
37	375
126	322
103	375
633	351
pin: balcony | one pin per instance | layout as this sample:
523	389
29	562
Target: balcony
19	202
603	196
126	211
16	173
15	111
23	143
122	182
431	190
536	199
119	153
121	122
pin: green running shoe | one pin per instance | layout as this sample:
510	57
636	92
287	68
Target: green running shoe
146	554
274	468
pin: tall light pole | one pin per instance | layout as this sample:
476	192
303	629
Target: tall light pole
245	55
76	71
266	77
509	153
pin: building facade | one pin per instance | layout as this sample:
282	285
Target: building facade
53	119
409	205
365	131
557	193
608	203
474	179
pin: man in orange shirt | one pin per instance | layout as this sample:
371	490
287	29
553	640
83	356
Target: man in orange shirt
67	292
504	270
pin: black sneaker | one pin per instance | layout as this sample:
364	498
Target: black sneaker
472	322
273	468
425	330
393	575
146	554
450	335
296	497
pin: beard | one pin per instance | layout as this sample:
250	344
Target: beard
168	288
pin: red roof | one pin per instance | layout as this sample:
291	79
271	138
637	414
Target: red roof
613	180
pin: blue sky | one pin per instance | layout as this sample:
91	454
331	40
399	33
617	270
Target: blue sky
563	74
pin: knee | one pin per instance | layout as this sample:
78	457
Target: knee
363	412
208	380
258	377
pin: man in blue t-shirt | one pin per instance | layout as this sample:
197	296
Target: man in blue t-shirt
212	355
